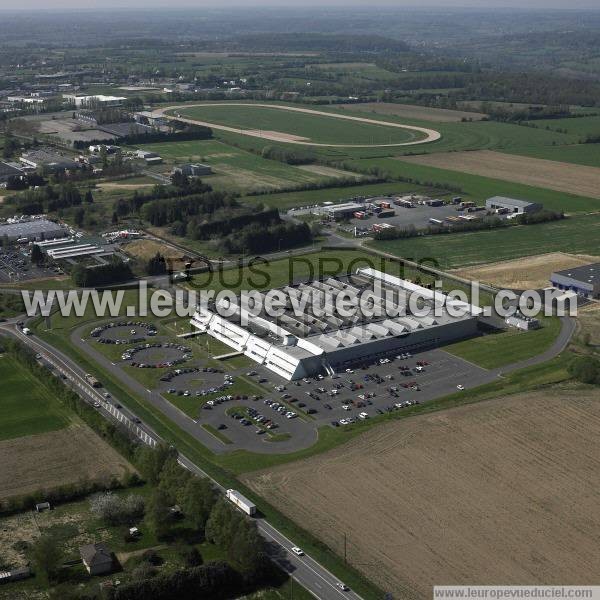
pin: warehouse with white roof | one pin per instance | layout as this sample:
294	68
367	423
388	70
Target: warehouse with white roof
319	339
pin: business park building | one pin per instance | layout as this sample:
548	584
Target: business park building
311	336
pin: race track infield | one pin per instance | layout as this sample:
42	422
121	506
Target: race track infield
426	135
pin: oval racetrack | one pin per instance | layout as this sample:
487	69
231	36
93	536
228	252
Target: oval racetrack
431	135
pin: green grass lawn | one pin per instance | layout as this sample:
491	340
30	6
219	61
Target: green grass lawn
575	234
580	126
316	128
26	406
504	348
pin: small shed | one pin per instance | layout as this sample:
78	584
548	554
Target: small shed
42	506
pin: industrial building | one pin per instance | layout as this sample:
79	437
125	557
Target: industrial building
193	170
46	159
320	339
583	281
511	205
342	211
8	171
93	101
31	231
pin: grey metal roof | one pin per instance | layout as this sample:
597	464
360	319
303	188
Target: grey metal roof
95	554
587	273
29	227
508	201
8	170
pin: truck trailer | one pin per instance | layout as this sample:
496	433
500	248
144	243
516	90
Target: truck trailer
241	502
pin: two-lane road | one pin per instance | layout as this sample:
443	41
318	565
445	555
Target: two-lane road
303	569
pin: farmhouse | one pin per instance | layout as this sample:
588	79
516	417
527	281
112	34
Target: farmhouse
312	336
583	281
97	558
511	205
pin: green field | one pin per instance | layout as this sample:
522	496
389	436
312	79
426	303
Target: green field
580	126
579	154
500	349
316	128
234	169
480	188
26	406
575	235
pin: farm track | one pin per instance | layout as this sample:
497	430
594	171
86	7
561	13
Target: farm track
431	135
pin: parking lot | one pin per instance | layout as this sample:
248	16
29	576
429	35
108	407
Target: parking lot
359	392
16	266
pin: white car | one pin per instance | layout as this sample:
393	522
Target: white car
419	368
344	421
297	551
460	387
346	407
342	586
363	415
349	371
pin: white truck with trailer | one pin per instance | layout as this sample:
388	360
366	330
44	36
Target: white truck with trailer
241	502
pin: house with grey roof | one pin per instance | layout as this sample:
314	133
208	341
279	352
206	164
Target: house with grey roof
97	558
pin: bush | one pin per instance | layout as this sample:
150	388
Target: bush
585	369
190	556
117	510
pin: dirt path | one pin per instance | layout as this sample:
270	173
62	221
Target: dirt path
430	134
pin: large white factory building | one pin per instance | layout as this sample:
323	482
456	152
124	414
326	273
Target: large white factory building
302	344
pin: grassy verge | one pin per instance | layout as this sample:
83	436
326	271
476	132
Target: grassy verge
216	433
506	347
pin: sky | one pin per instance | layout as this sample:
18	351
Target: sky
198	4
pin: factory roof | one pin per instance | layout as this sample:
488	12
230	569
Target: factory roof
508	201
28	228
589	273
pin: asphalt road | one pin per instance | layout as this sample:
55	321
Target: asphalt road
306	571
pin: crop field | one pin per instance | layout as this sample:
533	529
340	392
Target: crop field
479	493
575	235
563	177
532	272
579	154
479	188
285	125
237	170
26	406
48	460
413	111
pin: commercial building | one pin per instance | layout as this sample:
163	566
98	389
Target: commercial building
193	170
583	281
320	338
8	171
342	211
31	231
511	205
46	159
99	100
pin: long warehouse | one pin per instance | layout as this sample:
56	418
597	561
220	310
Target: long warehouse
318	339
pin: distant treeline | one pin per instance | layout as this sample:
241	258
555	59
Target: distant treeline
114	271
318	42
